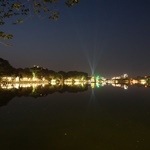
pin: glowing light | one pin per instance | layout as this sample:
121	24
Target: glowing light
35	79
92	85
68	82
17	79
97	77
135	81
116	81
27	79
53	82
116	85
103	83
143	81
97	85
92	79
16	86
76	83
125	87
9	79
125	75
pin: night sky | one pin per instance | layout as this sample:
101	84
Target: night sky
110	36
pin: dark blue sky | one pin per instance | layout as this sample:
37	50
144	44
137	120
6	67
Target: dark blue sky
111	36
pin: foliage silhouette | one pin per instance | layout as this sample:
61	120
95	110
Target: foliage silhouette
18	10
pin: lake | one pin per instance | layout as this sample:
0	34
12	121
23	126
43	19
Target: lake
105	118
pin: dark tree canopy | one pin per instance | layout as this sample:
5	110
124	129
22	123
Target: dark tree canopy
5	67
18	9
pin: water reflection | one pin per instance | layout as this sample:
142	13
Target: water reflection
104	117
9	91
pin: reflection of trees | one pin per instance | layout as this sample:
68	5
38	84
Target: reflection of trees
74	89
7	94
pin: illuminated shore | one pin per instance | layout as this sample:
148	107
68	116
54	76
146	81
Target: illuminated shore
10	83
17	80
41	76
40	88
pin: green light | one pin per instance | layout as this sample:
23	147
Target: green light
97	77
97	85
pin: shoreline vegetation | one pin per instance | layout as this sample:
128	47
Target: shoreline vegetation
39	75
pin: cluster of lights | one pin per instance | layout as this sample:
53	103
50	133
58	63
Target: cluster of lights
69	82
11	82
21	85
120	81
24	79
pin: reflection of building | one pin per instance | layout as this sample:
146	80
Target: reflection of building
92	85
92	79
124	86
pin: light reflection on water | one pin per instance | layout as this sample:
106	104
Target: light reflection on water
101	118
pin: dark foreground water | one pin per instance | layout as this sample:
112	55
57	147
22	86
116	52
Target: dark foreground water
107	118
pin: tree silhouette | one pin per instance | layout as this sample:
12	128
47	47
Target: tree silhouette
18	9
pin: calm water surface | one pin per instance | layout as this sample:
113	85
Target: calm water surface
107	118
